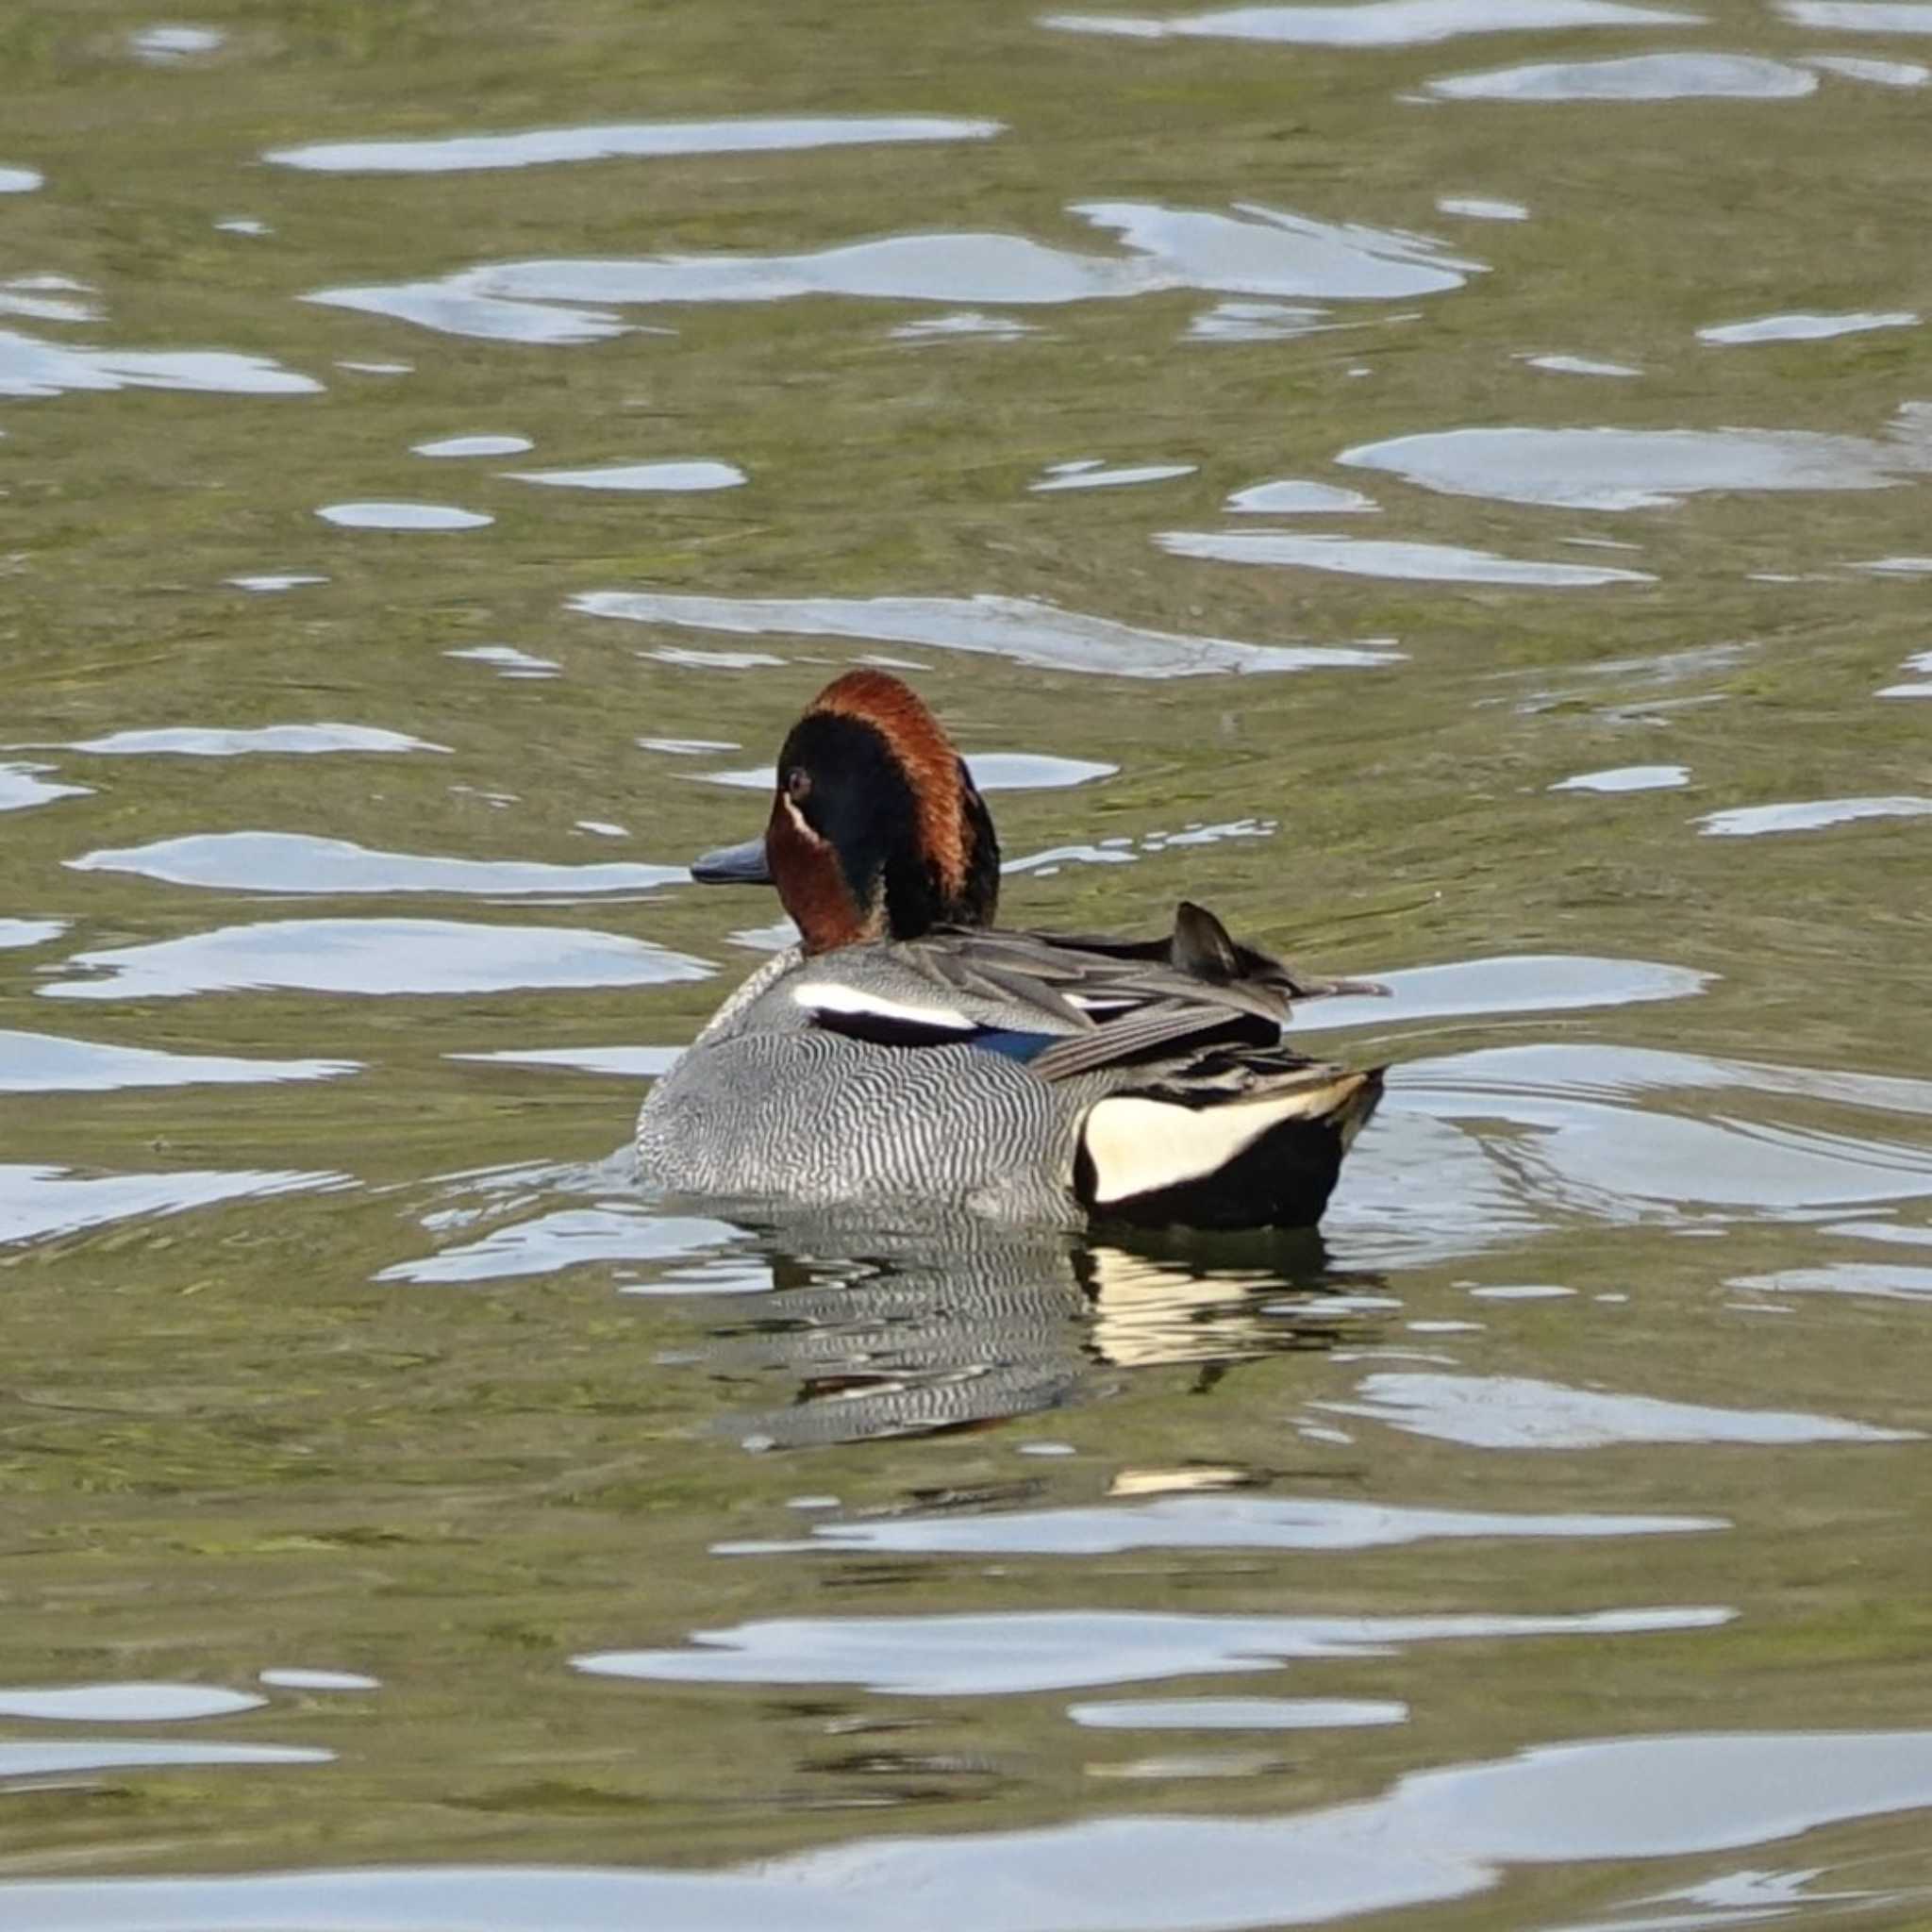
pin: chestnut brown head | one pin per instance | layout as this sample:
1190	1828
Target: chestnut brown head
876	829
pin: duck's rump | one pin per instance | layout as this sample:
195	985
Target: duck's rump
1227	1139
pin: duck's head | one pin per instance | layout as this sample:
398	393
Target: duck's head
876	830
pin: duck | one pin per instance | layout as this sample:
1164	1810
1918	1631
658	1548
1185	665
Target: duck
909	1050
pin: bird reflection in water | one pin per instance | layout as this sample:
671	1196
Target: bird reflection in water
916	1332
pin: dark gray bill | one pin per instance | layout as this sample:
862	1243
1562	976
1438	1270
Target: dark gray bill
734	865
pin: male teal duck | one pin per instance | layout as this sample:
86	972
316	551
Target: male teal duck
907	1050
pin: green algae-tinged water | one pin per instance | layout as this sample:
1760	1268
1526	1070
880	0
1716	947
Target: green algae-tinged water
1548	1549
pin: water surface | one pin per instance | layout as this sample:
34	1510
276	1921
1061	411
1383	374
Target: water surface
1442	482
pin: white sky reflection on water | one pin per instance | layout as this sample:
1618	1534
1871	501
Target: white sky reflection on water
622	1062
1294	496
51	1063
65	1761
212	742
1479	208
1430	1836
1885	1280
1580	365
295	862
277	580
621	140
162	46
37	1202
1627	778
29	367
1510	983
48	298
638	476
1860	16
1202	1522
992	771
403	516
991	1656
1373	23
1362	557
1257	321
23	787
1607	469
508	662
123	1703
1020	629
29	932
1519	1412
613	1231
1807	327
296	1678
372	957
1091	473
1238	1714
1251	251
1814	815
1635	77
473	446
1879	73
963	325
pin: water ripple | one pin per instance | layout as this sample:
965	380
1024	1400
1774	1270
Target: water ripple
623	140
24	786
1519	1412
1028	632
51	1063
973	1656
1812	815
1362	557
1635	77
372	957
1807	326
1644	469
1433	1836
210	741
639	476
295	862
29	367
1374	22
1255	251
1860	16
38	1202
123	1703
403	516
1204	1523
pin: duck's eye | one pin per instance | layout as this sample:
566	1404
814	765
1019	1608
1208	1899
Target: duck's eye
798	784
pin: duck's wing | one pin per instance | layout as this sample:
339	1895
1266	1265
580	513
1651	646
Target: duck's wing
1061	1008
1201	947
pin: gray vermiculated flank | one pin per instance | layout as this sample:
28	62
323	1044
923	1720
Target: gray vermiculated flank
833	1119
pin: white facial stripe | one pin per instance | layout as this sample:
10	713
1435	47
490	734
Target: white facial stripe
799	824
831	996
